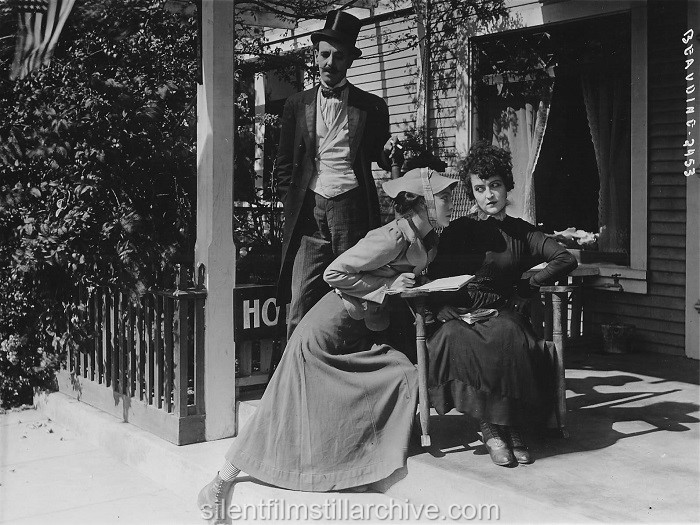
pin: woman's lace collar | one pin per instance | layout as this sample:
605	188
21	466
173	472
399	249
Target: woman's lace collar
481	215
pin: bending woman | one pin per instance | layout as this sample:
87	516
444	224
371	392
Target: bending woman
338	411
494	370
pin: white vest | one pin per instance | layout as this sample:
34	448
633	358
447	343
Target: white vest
333	173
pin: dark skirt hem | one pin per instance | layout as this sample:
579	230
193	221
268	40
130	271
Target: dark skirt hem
479	404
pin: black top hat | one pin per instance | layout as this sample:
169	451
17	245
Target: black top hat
340	27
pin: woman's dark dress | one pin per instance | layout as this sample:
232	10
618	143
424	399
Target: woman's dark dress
495	370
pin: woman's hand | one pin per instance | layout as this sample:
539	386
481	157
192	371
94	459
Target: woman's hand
404	281
447	313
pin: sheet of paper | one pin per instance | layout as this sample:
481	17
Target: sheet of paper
446	284
480	314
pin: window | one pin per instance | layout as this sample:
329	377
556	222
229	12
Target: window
558	97
530	17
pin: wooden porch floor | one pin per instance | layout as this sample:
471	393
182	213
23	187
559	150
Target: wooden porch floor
633	454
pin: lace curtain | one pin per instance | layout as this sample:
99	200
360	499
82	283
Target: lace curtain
521	132
517	124
606	95
520	128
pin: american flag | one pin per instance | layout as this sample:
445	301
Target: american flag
39	25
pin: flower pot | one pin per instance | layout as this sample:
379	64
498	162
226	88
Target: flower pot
617	337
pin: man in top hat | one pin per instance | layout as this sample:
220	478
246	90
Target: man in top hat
329	138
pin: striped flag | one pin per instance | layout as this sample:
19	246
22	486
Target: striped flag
39	25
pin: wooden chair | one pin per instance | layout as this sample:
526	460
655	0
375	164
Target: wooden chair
554	330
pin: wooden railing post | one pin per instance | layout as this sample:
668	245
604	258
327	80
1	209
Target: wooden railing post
92	342
168	352
139	350
150	355
116	349
140	358
180	344
123	355
99	341
131	348
107	335
159	368
199	343
84	309
73	359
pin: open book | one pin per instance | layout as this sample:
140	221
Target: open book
446	284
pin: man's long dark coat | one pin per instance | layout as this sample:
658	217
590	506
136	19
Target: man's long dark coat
368	123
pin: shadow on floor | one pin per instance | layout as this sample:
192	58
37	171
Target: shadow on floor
601	405
664	367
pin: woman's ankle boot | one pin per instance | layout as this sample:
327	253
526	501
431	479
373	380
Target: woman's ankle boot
212	499
496	444
518	446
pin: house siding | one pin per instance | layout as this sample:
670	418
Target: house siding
388	68
659	316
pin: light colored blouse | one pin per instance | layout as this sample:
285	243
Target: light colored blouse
363	274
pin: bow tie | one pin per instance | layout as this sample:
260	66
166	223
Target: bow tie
335	92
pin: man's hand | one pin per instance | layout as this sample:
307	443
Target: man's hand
393	145
394	151
404	281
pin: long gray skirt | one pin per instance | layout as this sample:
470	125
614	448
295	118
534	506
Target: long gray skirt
338	411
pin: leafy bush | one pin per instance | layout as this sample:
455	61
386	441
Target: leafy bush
97	174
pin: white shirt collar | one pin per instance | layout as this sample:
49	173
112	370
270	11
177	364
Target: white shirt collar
339	84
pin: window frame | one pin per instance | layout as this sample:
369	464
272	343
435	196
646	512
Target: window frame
632	277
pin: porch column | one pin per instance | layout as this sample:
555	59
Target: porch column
214	248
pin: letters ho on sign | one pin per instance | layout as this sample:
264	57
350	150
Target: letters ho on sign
256	314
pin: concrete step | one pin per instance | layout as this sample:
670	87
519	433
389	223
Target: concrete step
632	456
186	469
49	474
245	408
432	478
425	486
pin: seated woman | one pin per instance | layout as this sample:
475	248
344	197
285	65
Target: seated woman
495	370
338	411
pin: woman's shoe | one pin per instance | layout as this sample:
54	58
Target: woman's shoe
212	499
518	446
496	444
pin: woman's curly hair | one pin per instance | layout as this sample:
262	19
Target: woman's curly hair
486	161
406	201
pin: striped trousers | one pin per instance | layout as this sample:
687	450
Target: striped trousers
328	228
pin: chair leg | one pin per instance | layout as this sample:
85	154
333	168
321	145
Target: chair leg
559	339
560	382
423	402
557	420
557	297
